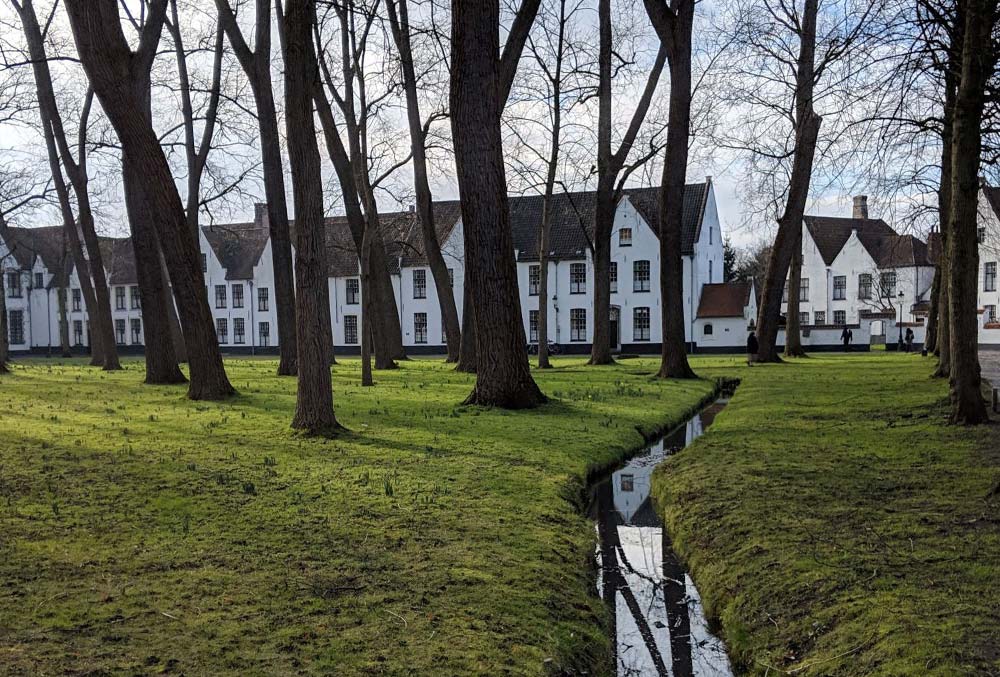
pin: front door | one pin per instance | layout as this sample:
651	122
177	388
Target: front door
616	343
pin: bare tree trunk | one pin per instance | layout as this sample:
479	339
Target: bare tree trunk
314	401
978	61
945	189
112	68
807	124
257	66
503	377
400	24
4	338
467	355
64	348
930	341
793	331
366	333
674	25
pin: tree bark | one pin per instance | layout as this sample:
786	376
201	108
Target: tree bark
978	61
314	401
400	25
64	348
943	340
807	125
674	25
4	339
793	330
256	64
930	342
503	377
467	354
112	67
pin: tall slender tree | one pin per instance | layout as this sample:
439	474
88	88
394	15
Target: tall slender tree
477	93
113	68
674	23
256	63
314	400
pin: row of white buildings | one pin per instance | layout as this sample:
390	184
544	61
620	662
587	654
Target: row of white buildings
236	260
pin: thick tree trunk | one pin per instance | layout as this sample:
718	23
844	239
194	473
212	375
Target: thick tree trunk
64	348
314	402
503	377
978	61
400	23
154	292
943	340
674	29
4	338
112	68
467	355
930	342
604	219
807	125
793	330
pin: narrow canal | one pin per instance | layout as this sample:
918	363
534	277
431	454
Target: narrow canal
658	623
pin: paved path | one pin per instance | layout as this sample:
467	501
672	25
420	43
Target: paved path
989	361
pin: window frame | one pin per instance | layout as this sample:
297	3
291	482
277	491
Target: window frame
578	325
534	279
624	241
120	331
352	291
990	276
221	297
239	331
351	330
642	284
222	330
135	330
419	280
865	287
532	326
839	318
237	297
134	297
420	328
579	271
264	337
120	298
839	287
819	318
641	334
263	300
15	330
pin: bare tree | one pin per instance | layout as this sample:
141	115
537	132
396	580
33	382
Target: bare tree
673	23
90	265
256	63
477	93
113	70
399	22
314	401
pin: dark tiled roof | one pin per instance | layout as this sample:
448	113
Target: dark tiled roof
723	299
238	247
647	201
992	194
341	253
47	243
119	260
886	246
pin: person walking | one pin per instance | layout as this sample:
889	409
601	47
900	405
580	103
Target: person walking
752	348
845	336
909	340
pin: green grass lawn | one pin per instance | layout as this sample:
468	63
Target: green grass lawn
837	526
144	533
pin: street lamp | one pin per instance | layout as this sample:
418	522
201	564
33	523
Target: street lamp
899	325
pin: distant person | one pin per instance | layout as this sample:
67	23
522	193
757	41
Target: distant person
909	340
752	348
846	337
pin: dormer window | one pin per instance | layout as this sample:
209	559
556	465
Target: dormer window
624	237
39	280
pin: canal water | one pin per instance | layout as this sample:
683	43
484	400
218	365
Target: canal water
658	622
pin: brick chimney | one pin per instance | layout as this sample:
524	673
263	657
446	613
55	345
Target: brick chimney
861	206
260	219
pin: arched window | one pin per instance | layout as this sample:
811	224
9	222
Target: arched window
708	330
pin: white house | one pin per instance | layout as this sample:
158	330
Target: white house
236	261
859	270
989	256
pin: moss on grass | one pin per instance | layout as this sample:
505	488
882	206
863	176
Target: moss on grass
837	526
144	533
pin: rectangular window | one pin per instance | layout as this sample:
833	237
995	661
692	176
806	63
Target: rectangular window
76	300
136	325
640	324
803	318
263	299
980	235
222	329
613	276
578	278
15	327
78	332
840	288
420	284
990	276
888	281
640	276
119	298
420	327
237	296
14	285
532	326
990	314
120	332
710	270
204	263
351	330
840	317
353	291
804	290
534	279
819	317
451	277
265	333
578	324
624	237
239	331
864	286
134	297
784	293
220	296
39	280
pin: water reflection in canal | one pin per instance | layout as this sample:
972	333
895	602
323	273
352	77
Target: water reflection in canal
657	617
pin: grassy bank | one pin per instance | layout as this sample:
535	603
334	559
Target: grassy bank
837	526
144	533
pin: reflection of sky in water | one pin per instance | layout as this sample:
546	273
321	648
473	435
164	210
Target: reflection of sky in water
652	596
